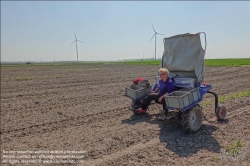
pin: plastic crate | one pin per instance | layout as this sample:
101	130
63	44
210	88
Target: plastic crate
194	92
183	82
135	91
179	99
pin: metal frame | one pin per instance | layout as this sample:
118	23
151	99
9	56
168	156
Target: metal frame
216	100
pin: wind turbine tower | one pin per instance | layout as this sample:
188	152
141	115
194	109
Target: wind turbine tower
156	33
76	45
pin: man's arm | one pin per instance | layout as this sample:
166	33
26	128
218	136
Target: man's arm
156	90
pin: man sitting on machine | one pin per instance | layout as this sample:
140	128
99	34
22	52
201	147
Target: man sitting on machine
165	86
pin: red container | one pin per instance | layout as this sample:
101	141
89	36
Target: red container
135	81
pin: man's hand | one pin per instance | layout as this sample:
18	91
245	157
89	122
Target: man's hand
160	99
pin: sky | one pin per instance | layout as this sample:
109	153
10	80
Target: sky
116	30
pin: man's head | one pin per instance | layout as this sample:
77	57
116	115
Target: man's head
163	72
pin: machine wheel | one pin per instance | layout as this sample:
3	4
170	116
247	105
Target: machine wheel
221	113
135	105
192	119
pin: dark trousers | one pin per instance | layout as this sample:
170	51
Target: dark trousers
153	96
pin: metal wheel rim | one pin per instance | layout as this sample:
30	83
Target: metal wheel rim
132	105
195	119
222	112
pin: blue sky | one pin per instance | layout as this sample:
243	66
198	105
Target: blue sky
113	30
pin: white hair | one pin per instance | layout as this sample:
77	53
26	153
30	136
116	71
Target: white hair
164	70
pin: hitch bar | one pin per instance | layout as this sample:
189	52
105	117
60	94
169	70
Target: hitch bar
216	99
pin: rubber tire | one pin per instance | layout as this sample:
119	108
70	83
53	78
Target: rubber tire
133	105
192	119
221	113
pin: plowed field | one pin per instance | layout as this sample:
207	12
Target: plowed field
83	108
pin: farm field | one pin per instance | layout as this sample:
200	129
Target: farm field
83	108
208	62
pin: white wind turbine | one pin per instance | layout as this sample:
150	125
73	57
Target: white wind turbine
76	45
156	33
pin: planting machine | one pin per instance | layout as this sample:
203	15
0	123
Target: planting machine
183	56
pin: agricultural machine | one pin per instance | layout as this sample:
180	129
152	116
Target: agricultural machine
183	56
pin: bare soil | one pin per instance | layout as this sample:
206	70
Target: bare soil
83	108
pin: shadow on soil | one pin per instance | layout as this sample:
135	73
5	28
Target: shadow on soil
176	140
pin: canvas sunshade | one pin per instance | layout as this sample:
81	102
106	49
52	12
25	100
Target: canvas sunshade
183	55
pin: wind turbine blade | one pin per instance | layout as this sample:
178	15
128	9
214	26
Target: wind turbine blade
153	28
73	42
75	35
80	41
160	34
151	38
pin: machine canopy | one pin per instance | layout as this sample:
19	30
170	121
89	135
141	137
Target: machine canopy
184	56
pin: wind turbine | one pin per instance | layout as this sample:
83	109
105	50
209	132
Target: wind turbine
76	45
156	33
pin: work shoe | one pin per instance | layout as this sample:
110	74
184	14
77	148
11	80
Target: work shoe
162	115
140	111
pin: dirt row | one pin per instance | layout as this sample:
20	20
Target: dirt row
73	113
